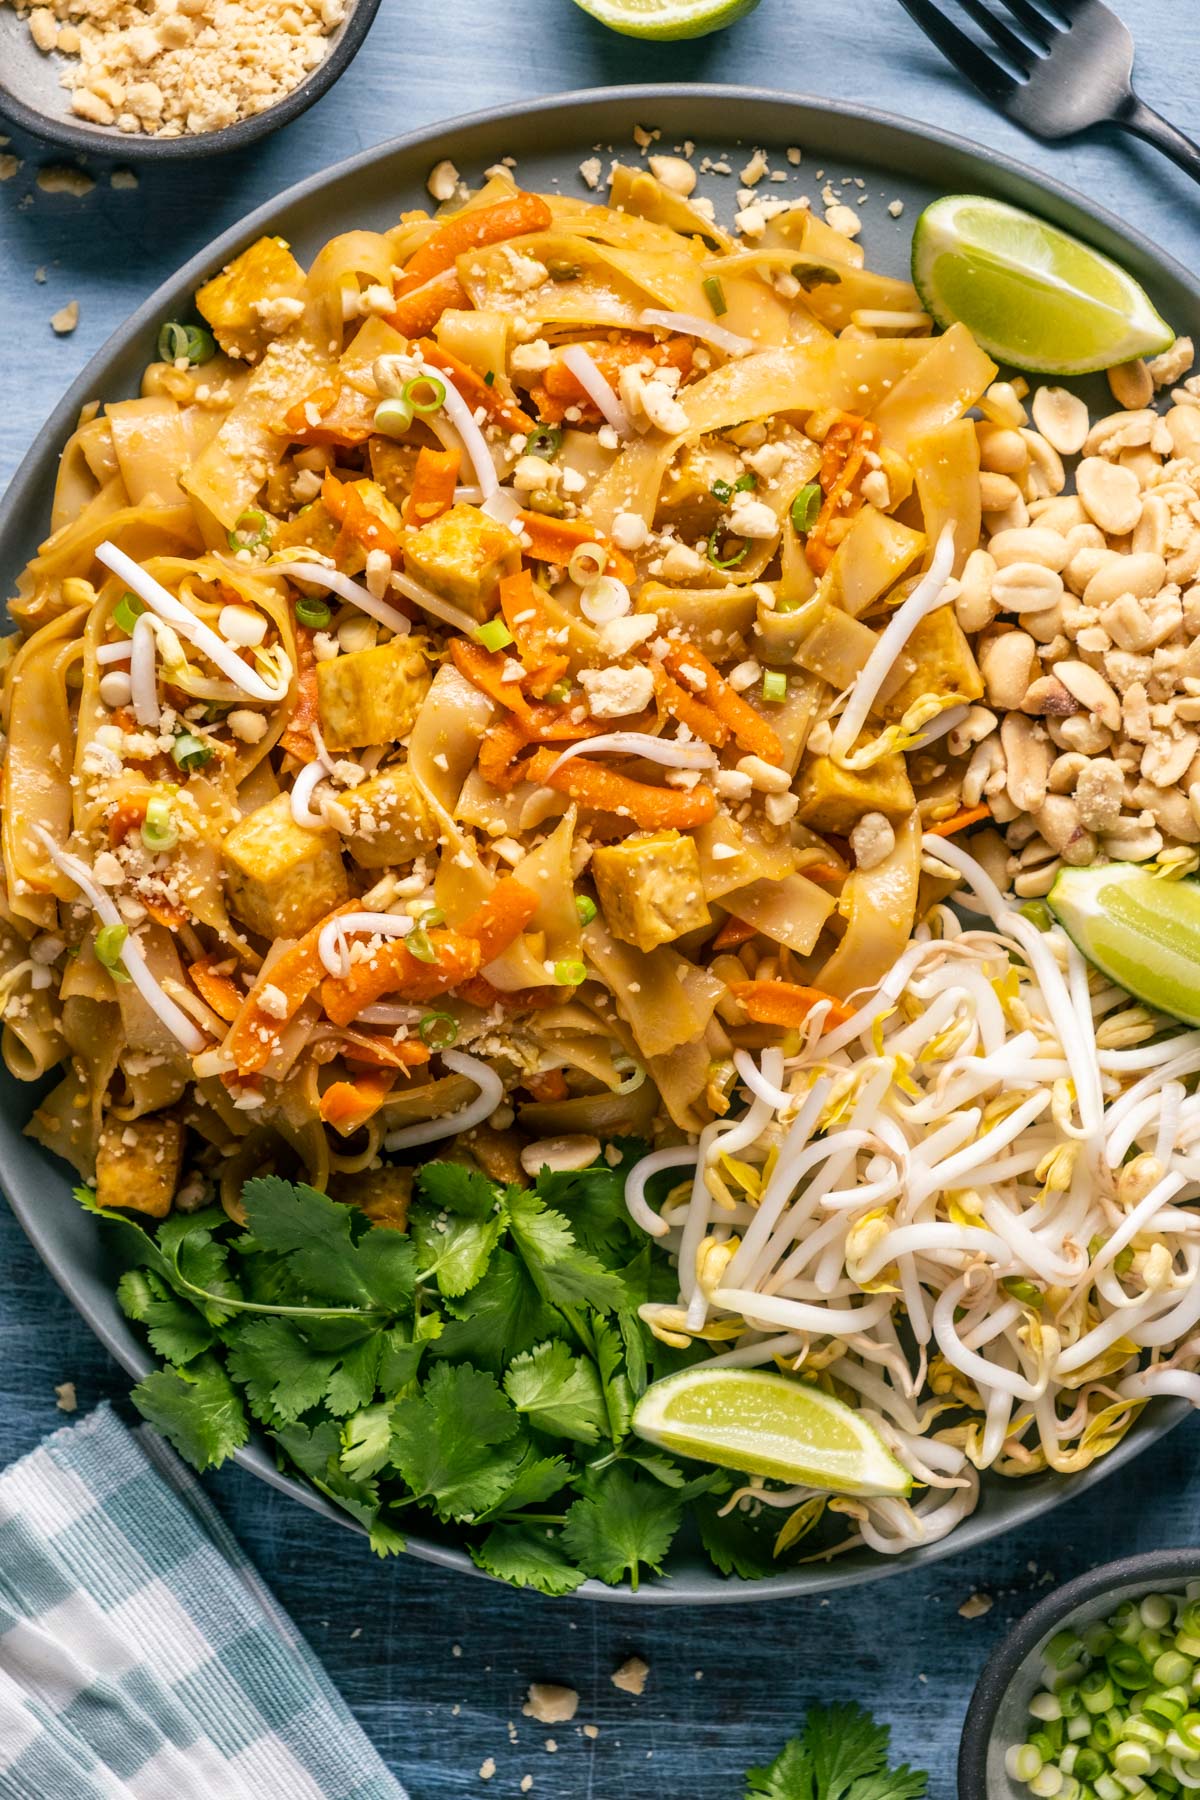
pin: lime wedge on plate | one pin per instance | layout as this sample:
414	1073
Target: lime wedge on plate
667	20
1142	932
768	1425
1030	294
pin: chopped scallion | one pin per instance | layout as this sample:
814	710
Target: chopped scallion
806	507
109	942
495	635
191	752
312	612
127	612
745	483
569	973
425	393
191	343
774	686
439	1030
585	908
417	944
722	491
545	441
159	831
815	275
714	293
252	531
724	562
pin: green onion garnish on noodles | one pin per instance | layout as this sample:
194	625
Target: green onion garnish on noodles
569	973
191	752
177	343
714	293
313	613
127	612
774	686
805	508
109	942
159	831
393	416
495	635
438	1030
724	562
252	531
417	944
545	441
585	908
425	393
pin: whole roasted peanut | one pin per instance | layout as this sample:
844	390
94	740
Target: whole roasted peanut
1061	417
973	603
1027	758
1059	823
1140	574
1001	449
1035	544
1131	384
1007	662
1111	495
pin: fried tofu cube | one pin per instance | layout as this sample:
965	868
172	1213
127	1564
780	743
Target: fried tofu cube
138	1164
280	878
372	696
651	889
937	659
464	556
834	799
687	501
391	822
257	297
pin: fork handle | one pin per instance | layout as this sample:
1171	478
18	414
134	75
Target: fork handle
1144	122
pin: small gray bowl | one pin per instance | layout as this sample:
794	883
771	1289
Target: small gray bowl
31	97
999	1711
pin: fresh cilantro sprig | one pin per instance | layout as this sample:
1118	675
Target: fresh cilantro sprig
841	1754
474	1374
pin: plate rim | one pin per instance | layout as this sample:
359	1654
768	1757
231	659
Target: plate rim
689	1588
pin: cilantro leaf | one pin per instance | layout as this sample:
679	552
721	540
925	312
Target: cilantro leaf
618	1399
536	1478
737	1544
559	1393
452	1187
401	1350
593	1200
453	1445
312	1448
621	1521
177	1332
374	1271
454	1249
366	1440
789	1777
197	1408
526	1557
842	1754
287	1366
503	1315
564	1274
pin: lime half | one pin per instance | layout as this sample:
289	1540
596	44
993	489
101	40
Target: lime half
1142	932
667	19
768	1425
1030	294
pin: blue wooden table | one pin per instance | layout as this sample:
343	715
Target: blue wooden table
436	1666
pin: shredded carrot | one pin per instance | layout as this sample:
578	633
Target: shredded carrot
551	1084
393	969
651	808
216	987
843	466
418	311
786	1003
752	731
500	407
294	974
970	815
347	506
434	480
127	815
383	1052
524	608
502	743
699	717
348	1105
484	669
473	230
559	389
554	541
822	871
500	919
734	932
344	416
165	912
297	736
480	992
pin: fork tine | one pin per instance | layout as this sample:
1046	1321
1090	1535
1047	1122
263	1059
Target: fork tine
1015	48
1041	29
981	70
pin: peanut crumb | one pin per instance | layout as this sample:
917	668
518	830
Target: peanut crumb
64	321
631	1676
65	1398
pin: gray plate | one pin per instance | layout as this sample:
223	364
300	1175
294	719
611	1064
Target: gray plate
550	138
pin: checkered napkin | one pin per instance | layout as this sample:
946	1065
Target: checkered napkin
141	1655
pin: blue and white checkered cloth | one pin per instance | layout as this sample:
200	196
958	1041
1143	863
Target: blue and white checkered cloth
141	1655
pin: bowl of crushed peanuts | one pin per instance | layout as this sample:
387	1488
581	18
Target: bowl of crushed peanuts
171	80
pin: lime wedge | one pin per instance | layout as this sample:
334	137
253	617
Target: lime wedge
1142	933
667	20
768	1425
1030	294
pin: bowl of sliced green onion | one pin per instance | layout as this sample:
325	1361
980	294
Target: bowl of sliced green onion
1095	1694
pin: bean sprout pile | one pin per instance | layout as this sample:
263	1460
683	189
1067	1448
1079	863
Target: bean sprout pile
967	1209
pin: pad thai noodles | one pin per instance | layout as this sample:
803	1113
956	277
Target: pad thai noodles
527	681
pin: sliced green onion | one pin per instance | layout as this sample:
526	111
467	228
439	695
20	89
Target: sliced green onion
159	831
495	635
431	916
417	944
393	416
727	562
251	532
191	342
815	275
1156	1611
560	693
489	379
425	393
722	491
545	441
127	612
191	752
563	271
439	1030
806	507
585	908
714	293
109	942
549	504
569	973
774	686
312	612
745	482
